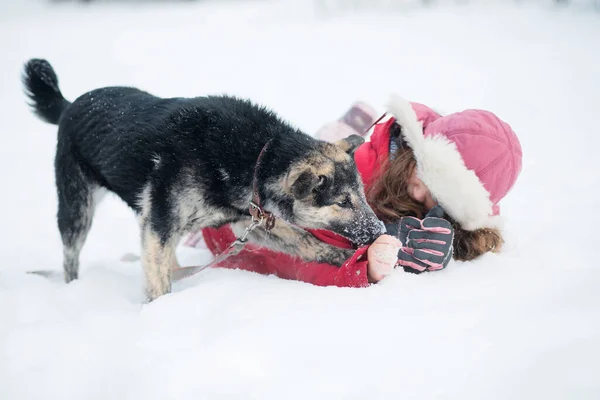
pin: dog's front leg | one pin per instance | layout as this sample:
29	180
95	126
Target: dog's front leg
286	238
158	260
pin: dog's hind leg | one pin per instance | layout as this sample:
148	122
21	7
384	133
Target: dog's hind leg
75	210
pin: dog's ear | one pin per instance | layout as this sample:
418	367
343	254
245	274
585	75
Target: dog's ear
302	182
351	143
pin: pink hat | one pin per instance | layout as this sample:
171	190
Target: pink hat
468	160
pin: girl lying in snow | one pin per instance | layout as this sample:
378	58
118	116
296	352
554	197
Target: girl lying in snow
435	181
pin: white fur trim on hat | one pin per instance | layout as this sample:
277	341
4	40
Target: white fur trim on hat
441	168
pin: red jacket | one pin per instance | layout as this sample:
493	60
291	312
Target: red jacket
354	271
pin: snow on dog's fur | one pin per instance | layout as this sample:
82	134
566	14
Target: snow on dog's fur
187	163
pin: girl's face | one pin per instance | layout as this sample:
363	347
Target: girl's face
419	192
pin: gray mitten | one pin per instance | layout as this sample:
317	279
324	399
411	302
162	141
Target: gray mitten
426	243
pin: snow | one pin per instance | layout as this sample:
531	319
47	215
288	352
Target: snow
521	324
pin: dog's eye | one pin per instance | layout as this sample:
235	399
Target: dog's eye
322	180
346	203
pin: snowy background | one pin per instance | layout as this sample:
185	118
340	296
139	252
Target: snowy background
522	324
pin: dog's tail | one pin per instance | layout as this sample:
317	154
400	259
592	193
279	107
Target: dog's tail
41	86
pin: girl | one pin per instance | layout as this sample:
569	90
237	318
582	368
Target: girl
435	181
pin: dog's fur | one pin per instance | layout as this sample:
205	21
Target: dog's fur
187	163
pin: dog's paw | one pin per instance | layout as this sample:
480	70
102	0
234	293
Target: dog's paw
153	292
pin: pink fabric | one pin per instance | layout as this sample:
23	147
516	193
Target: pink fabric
195	240
488	146
432	265
355	121
428	241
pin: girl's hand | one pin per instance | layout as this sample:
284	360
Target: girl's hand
382	256
428	243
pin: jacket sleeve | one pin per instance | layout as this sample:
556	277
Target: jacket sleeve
352	274
264	261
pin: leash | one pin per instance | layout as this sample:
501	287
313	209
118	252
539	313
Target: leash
233	249
258	216
373	124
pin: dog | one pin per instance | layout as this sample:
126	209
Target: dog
182	164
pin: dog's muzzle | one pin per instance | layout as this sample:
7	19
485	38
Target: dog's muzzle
365	230
377	229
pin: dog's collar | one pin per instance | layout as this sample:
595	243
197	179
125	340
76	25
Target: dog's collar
257	211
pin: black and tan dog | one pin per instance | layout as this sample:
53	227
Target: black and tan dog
187	163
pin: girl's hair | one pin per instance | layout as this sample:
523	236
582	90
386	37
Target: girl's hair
388	197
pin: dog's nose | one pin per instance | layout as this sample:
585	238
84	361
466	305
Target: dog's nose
374	237
377	230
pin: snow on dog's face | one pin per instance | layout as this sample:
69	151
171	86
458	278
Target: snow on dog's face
328	193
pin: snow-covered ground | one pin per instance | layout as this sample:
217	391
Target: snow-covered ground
523	324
